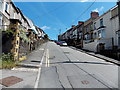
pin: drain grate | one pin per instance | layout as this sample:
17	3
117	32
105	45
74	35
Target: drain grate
36	61
52	57
66	52
9	81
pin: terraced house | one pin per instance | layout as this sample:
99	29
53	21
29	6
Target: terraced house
4	14
19	34
104	32
98	33
118	32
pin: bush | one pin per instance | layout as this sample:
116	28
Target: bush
7	57
7	61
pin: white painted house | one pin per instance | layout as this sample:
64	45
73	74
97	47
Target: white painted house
105	32
115	25
4	13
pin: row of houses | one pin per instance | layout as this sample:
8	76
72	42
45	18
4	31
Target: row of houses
19	33
97	33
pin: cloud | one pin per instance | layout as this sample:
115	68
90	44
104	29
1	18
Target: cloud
83	0
101	9
45	27
98	9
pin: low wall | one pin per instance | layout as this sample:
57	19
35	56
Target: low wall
92	46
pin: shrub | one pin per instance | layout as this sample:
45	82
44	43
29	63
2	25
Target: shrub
7	61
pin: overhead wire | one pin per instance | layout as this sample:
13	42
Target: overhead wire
83	12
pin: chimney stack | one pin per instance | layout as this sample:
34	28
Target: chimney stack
94	14
80	22
73	26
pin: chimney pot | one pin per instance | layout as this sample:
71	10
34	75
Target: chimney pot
94	14
80	22
73	26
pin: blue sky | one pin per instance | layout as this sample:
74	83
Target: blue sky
53	16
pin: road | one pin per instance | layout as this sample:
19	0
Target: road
64	67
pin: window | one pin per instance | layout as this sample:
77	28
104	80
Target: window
0	5
86	28
91	27
101	22
87	37
118	38
0	19
94	26
6	7
101	33
95	35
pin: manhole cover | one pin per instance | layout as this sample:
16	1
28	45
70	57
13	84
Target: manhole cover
9	81
85	82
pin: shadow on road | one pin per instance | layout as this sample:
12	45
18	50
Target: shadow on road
69	62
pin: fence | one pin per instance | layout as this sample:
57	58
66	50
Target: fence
115	54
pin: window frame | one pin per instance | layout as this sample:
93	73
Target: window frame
0	19
101	22
95	26
6	7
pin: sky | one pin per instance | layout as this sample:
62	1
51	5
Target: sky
54	17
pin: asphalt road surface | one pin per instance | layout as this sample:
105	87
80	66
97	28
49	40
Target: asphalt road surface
63	67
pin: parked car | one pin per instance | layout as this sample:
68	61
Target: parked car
58	42
62	43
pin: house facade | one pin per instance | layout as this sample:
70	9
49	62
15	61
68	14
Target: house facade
104	32
97	33
24	34
89	27
4	14
115	26
118	3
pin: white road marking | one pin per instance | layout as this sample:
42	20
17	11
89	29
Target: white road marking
39	71
48	59
41	49
24	69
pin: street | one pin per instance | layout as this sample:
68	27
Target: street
54	66
63	67
60	44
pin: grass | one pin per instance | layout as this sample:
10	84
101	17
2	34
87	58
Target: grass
7	62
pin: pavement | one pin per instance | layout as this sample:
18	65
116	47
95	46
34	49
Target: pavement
62	67
98	56
27	70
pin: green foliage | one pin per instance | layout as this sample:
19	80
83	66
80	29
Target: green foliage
23	35
7	61
7	57
10	32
